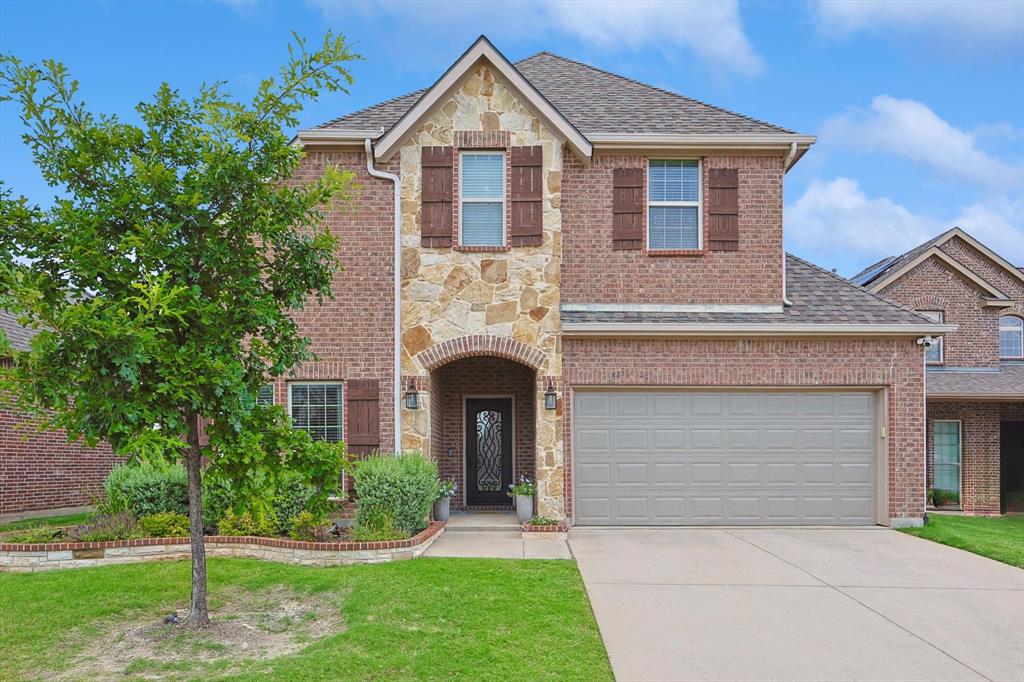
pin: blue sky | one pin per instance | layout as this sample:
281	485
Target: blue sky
919	106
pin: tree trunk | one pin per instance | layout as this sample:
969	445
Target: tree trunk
198	616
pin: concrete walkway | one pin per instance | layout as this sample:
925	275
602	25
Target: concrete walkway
800	604
495	535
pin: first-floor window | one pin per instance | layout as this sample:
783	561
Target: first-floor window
317	409
265	395
933	354
946	440
1011	337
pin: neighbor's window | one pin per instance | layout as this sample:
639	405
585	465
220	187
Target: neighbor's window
1011	337
482	198
673	204
933	354
946	437
316	408
265	395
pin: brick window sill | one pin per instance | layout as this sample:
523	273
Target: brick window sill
482	249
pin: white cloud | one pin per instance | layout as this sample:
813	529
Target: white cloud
971	24
910	129
710	30
836	222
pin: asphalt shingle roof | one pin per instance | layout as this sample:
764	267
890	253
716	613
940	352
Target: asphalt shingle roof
594	100
18	335
818	296
1007	382
874	272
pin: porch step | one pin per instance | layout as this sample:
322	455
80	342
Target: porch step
482	521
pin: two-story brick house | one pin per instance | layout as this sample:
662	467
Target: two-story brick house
975	375
556	272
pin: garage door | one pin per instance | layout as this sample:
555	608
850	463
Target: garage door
676	458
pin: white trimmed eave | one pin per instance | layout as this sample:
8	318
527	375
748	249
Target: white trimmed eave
635	329
781	143
1005	264
948	261
482	49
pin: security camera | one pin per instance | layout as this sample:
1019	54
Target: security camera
926	341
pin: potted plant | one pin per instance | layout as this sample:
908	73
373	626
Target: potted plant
442	505
523	493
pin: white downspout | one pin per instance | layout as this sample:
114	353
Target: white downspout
395	180
785	167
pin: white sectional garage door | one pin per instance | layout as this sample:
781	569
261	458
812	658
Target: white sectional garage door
695	457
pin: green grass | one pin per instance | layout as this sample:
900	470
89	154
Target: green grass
64	520
424	619
999	538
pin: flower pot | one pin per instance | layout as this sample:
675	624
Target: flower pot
442	509
524	508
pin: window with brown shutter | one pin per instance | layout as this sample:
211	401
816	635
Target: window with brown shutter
362	406
628	208
526	192
436	197
723	209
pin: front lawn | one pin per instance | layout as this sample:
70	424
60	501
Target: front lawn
423	619
1000	538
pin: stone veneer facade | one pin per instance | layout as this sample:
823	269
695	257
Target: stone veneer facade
504	293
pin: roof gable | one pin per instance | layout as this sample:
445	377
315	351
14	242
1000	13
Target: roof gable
481	50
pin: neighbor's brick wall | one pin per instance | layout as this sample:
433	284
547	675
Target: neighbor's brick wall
480	376
41	470
592	272
894	363
352	334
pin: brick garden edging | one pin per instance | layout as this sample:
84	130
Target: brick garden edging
16	557
550	528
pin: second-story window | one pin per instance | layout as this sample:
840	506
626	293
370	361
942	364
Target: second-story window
933	354
1011	337
673	204
482	198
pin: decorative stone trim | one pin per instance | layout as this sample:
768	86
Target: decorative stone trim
467	346
16	557
560	527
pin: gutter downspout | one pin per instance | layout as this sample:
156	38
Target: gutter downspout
785	167
397	388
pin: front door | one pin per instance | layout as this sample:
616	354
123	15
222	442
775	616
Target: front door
488	450
1011	446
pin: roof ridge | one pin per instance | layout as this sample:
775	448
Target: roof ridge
372	106
656	88
857	287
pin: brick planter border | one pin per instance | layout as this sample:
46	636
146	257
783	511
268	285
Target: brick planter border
43	556
552	528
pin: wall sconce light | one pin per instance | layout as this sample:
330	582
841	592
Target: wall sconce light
412	398
550	397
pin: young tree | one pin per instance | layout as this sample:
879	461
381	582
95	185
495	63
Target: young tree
162	276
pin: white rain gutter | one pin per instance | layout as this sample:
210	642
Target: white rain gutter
395	180
669	329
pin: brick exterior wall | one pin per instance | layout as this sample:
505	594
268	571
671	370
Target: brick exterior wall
480	376
42	470
592	272
894	364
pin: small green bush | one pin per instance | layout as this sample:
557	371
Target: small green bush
145	489
403	487
246	524
120	526
292	497
543	521
378	526
165	525
309	527
36	535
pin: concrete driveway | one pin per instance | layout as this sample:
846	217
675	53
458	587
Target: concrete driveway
800	604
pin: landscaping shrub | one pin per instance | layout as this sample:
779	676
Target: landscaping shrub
401	487
145	489
119	526
165	525
293	496
377	525
246	524
309	527
36	535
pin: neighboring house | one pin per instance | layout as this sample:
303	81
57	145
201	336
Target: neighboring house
593	293
41	470
975	375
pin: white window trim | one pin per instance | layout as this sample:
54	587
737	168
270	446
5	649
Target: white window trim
484	200
960	448
698	204
1020	333
321	382
939	341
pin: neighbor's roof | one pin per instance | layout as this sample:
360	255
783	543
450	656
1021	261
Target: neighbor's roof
18	335
892	263
818	297
594	101
1005	384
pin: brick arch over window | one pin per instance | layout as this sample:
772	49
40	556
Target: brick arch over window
468	346
928	303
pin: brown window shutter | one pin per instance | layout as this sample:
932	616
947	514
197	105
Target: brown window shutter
362	415
628	209
437	196
527	194
723	209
